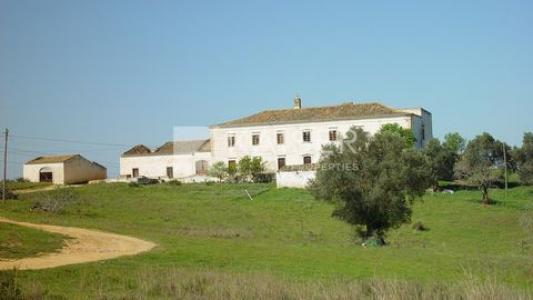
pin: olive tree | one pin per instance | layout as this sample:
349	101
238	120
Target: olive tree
218	170
440	162
454	142
372	180
523	157
481	163
405	133
244	168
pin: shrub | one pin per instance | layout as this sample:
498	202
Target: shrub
146	181
21	179
55	202
264	177
9	194
174	182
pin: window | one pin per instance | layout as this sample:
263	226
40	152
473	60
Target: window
255	139
423	132
170	172
280	138
232	164
307	136
281	163
135	172
333	135
231	141
307	160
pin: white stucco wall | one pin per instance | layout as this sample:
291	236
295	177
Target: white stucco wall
31	172
155	166
80	170
295	179
74	170
294	148
421	125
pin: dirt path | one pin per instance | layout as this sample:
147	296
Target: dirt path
85	246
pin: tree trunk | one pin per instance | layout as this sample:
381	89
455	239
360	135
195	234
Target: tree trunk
485	194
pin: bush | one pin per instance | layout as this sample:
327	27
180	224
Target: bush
174	182
55	202
9	194
21	179
146	181
264	177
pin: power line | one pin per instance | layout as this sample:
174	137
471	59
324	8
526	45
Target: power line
69	141
69	150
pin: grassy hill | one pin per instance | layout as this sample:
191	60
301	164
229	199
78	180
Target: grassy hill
213	240
18	242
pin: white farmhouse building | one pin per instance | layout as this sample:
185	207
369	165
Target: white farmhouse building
280	137
180	159
63	169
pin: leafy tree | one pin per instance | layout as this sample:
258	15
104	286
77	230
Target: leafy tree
440	161
257	167
481	163
232	170
454	142
218	170
372	180
524	159
244	168
405	133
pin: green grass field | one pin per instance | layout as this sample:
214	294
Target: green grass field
18	242
23	185
213	235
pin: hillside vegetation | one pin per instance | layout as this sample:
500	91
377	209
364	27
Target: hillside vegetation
216	242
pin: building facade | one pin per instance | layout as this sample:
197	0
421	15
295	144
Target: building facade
180	159
281	137
63	169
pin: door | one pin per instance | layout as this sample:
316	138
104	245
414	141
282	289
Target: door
281	163
135	172
46	175
201	167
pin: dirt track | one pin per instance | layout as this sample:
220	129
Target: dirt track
85	246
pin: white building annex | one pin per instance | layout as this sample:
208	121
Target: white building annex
63	169
180	159
282	137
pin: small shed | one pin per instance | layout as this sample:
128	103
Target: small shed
63	169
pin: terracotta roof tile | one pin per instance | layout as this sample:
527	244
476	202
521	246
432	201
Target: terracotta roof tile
169	148
51	159
345	111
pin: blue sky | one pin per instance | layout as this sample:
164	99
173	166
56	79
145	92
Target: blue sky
127	72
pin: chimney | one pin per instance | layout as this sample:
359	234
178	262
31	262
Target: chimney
297	103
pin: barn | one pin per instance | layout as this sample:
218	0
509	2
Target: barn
63	169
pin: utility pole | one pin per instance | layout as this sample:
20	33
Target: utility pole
5	167
505	168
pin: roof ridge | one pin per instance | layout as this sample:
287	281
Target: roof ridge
329	106
342	111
